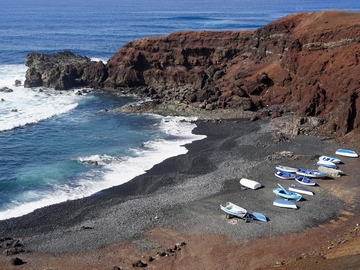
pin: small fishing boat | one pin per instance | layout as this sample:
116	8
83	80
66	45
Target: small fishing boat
286	169
249	183
284	203
310	173
327	164
285	175
304	180
258	216
346	153
331	159
282	192
233	210
301	189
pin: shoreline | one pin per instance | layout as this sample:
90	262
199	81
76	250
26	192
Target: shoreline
180	197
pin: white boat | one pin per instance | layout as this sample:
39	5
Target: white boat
250	183
233	210
286	169
301	189
310	173
331	159
346	153
305	180
285	175
326	163
284	204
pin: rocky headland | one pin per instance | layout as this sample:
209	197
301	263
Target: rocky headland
304	65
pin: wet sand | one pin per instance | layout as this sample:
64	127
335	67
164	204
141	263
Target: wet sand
178	201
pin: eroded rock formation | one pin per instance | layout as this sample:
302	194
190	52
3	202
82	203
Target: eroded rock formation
306	63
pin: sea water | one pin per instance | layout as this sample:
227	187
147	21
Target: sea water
57	145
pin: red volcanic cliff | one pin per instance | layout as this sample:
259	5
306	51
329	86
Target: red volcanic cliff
308	63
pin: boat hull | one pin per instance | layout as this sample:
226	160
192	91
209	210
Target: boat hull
284	204
250	183
331	159
304	180
327	164
288	195
301	189
286	169
310	173
258	216
233	209
346	153
284	175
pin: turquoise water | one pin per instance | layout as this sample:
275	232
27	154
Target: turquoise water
60	146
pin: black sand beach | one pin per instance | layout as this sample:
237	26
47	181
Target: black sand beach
183	194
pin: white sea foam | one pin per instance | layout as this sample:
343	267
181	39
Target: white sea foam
111	171
25	106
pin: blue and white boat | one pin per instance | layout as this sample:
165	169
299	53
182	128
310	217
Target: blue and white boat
310	173
258	216
304	180
284	203
346	153
233	210
282	192
331	159
327	164
286	169
285	175
301	189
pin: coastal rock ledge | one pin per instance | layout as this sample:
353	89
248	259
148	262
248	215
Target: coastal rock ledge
306	63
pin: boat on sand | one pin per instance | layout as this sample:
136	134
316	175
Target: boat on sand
282	192
286	169
310	173
301	189
327	164
284	203
249	183
346	153
331	159
233	210
285	175
304	180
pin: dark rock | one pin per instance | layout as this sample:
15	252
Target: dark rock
17	261
17	82
6	90
116	268
139	264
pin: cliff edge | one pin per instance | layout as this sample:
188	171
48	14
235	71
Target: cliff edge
306	63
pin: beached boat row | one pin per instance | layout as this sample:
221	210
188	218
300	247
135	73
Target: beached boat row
286	197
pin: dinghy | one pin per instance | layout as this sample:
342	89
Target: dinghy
250	183
304	180
233	210
310	173
301	189
284	175
327	164
258	216
284	204
331	159
286	169
282	192
346	153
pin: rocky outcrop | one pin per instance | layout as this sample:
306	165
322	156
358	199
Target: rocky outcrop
63	70
305	63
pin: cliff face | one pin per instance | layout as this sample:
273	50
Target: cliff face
308	63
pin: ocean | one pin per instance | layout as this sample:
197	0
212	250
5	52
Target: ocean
57	146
